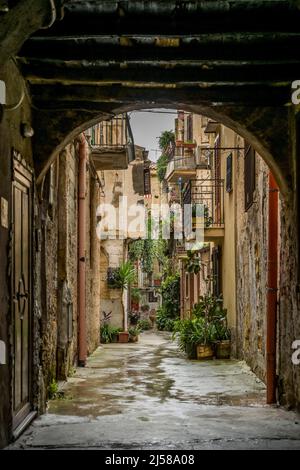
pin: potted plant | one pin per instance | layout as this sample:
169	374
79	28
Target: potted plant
134	332
203	336
157	280
223	336
145	308
125	277
134	317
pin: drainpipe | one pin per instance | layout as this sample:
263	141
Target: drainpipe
272	289
82	353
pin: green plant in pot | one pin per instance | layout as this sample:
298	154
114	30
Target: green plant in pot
223	337
125	277
134	332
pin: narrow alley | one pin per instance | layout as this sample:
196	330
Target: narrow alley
147	395
149	224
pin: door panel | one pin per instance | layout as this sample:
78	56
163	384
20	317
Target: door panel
21	290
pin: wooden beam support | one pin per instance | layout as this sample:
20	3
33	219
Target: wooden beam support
93	96
244	46
165	17
100	72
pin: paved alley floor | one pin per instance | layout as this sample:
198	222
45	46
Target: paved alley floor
148	396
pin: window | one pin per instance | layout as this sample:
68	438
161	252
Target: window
189	128
152	297
186	285
147	183
249	175
216	271
229	173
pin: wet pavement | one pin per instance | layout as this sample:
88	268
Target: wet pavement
147	395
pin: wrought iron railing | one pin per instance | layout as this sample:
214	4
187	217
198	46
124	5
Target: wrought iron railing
114	134
179	163
208	194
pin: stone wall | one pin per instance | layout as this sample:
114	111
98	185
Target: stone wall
251	268
289	284
60	330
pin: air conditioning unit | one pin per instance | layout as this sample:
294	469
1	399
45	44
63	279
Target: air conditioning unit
204	157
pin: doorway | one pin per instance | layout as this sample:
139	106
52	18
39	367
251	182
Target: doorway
21	291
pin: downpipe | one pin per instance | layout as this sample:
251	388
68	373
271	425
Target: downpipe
272	290
82	341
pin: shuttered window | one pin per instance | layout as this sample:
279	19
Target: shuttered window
249	175
147	183
229	173
189	129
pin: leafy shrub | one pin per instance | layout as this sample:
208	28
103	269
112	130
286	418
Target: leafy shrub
163	321
134	317
108	333
144	324
52	389
134	331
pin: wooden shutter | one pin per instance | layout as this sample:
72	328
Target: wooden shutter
147	182
229	173
249	175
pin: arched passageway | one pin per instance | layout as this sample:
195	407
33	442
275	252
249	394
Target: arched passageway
229	61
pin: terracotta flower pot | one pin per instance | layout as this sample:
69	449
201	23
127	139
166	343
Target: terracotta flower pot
123	337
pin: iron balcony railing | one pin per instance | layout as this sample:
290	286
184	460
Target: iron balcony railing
208	194
113	134
179	163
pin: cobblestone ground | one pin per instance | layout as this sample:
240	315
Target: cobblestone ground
147	395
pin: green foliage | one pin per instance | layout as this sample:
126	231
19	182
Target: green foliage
134	317
125	276
145	308
163	321
192	331
135	294
161	166
169	311
208	323
136	249
192	264
52	389
108	333
166	138
170	291
134	331
144	325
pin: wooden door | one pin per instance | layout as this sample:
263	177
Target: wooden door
21	291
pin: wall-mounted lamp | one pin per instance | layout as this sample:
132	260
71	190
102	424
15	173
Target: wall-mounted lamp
26	130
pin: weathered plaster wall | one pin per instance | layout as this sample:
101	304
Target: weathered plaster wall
10	138
92	264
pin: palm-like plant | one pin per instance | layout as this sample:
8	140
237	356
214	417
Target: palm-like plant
125	277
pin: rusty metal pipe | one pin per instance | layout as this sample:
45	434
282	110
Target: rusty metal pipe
272	289
82	352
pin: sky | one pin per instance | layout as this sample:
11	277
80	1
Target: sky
147	126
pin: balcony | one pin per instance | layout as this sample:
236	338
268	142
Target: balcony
203	208
181	167
110	145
